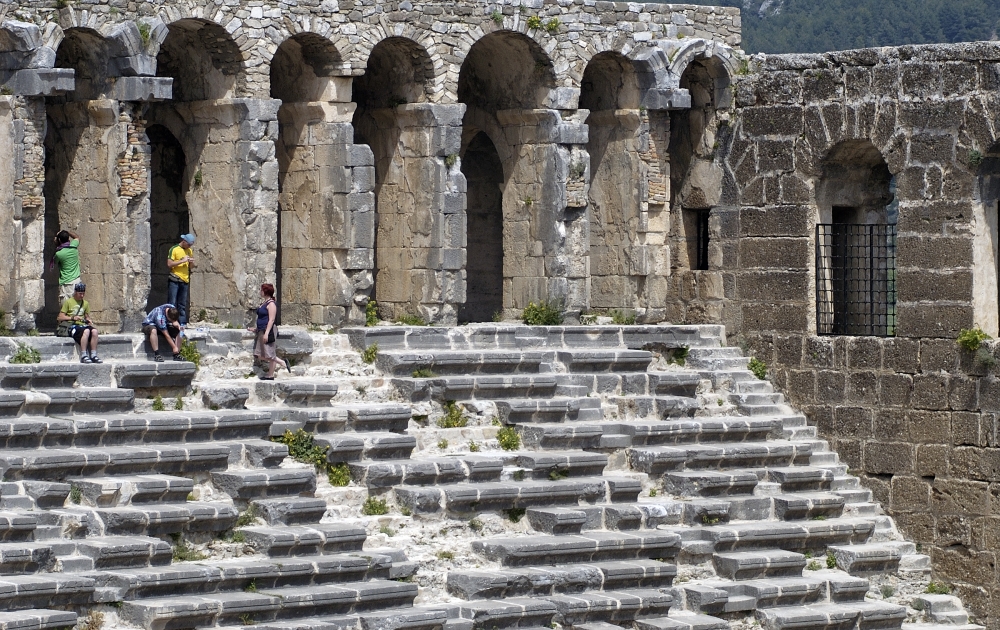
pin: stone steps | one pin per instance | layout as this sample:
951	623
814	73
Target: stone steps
595	546
531	410
659	459
427	471
162	518
563	578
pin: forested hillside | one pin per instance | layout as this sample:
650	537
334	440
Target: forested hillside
779	26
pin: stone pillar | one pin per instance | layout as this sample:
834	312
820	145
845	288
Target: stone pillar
653	252
327	215
421	235
28	122
546	236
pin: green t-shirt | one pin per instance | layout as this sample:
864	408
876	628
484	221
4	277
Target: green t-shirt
68	259
74	309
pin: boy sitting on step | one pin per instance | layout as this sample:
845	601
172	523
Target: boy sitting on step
162	320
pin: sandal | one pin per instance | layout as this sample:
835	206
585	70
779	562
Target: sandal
85	359
158	358
96	359
267	378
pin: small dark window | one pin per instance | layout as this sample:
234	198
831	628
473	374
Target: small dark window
701	247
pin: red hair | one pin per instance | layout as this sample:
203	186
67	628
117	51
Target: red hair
267	289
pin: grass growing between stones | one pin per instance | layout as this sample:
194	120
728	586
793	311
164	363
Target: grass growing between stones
514	515
247	516
423	373
26	354
75	495
371	313
183	553
542	314
453	418
937	588
831	561
509	439
374	507
971	338
302	448
623	318
369	354
93	621
158	403
758	367
339	475
410	320
189	352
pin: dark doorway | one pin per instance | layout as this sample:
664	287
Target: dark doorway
168	208
484	267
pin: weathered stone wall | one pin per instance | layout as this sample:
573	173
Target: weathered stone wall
914	415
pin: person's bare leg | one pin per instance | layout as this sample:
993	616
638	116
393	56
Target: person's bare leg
154	343
93	341
84	341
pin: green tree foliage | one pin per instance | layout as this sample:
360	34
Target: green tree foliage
784	26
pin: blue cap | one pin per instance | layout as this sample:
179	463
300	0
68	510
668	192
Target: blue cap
188	237
81	287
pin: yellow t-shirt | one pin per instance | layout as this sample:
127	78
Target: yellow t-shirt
182	271
75	310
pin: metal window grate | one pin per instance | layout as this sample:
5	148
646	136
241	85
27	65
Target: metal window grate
856	279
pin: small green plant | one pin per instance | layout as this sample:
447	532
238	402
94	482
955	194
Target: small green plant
6	90
937	588
677	356
534	22
117	605
814	565
247	619
476	525
251	587
237	538
442	444
191	497
652	492
144	33
62	4
247	517
975	158
744	68
622	318
497	17
588	319
709	520
405	511
453	418
388	531
451	159
423	373
473	446
374	507
758	367
819	517
495	421
497	317
719	402
831	561
558	474
339	474
445	555
199	178
410	320
179	403
26	354
369	354
183	553
302	449
158	403
75	495
361	389
371	313
552	26
887	591
189	352
515	514
528	201
518	475
202	315
986	359
544	313
807	554
331	331
93	621
509	439
971	338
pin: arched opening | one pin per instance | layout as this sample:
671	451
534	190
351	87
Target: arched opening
313	208
169	216
986	245
222	173
856	242
504	82
610	91
408	178
80	194
484	216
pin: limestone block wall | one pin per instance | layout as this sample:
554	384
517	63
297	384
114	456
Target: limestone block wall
27	208
912	129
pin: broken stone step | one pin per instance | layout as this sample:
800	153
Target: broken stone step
555	464
59	463
800	478
258	484
871	558
734	380
682	620
426	471
45	590
27	557
588	547
39	375
148	374
163	518
462	362
371	445
515	612
392	417
709	483
564	578
17	526
660	407
482	387
290	510
648	514
63	401
131	489
296	392
13	404
946	609
745	565
859	495
659	459
530	410
831	616
413	618
556	520
156	426
119	552
702	430
561	436
813	587
814	536
681	383
506	495
342	598
305	540
37	619
191	611
610	606
577	360
804	505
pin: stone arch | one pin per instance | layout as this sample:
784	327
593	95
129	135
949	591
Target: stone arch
484	174
169	215
856	210
302	66
505	70
203	60
610	91
87	53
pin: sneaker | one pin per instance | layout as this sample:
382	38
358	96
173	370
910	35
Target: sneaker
157	357
178	357
96	359
85	359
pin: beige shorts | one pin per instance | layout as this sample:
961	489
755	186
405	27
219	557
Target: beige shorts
66	290
263	350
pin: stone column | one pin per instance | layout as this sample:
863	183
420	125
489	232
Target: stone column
421	215
327	215
652	255
546	235
28	209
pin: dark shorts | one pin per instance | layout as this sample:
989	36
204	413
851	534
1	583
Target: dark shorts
173	332
76	332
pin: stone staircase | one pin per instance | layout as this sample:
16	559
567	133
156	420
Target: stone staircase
636	492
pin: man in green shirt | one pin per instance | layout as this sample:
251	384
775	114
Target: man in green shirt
67	257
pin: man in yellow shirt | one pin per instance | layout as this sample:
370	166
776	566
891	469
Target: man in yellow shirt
180	262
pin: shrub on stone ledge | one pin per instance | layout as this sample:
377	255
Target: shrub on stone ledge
26	354
543	313
971	338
